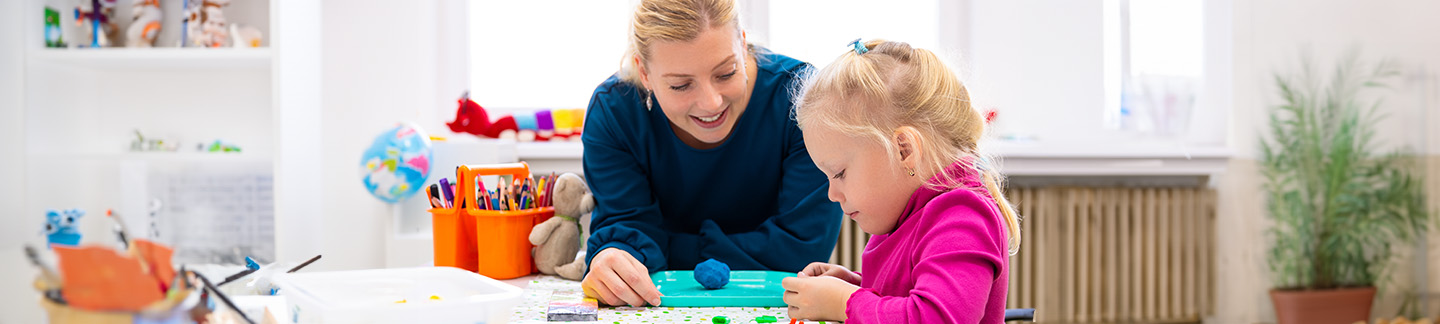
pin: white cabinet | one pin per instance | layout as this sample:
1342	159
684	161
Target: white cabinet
81	109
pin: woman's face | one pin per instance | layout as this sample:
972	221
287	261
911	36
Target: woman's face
702	85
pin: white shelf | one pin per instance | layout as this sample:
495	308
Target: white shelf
1141	158
155	58
1129	150
549	150
154	156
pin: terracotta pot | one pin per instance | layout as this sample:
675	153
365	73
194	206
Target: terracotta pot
1339	306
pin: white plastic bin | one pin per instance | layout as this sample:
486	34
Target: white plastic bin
375	296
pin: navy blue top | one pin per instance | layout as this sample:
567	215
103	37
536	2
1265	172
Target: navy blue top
756	202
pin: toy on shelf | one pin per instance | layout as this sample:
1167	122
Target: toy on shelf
96	27
142	144
245	36
557	240
53	35
145	25
218	147
60	227
542	125
205	24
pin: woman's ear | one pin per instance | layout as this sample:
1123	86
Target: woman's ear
644	74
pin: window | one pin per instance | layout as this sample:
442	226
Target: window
1154	64
817	31
544	54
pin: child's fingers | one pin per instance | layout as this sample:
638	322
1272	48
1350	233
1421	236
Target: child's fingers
814	269
794	302
791	284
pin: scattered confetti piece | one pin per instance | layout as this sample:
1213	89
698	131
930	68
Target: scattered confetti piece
720	320
434	297
765	319
402	301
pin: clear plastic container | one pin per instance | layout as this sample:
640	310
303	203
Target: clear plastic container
408	295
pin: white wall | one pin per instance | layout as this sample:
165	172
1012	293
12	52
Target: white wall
17	298
382	64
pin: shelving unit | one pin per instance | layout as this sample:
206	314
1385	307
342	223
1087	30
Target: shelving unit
81	107
154	58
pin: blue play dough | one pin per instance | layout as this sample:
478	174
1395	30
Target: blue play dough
712	274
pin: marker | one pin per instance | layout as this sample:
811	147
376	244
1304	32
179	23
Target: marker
434	192
448	192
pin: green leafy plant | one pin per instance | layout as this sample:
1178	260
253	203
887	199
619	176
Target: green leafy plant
1339	206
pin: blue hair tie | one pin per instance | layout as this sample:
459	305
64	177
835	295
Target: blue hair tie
859	47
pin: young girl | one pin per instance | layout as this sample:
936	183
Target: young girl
893	129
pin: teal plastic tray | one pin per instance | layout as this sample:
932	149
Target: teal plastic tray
746	289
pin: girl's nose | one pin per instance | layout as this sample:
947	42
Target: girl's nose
835	194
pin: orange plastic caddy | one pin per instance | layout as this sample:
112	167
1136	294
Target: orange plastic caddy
492	243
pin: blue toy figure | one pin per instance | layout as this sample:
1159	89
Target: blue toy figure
712	274
60	226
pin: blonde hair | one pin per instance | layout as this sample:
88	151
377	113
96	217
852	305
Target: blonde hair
872	95
672	20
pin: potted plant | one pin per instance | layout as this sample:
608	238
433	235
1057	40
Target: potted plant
1339	207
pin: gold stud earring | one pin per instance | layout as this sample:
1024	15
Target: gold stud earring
911	171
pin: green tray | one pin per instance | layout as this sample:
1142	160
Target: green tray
746	289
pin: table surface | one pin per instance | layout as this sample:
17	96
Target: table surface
539	287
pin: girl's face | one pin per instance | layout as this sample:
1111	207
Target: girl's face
871	187
702	85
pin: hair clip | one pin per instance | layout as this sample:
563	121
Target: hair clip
859	47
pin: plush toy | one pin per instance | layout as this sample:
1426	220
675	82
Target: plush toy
557	240
146	24
61	227
95	26
205	24
543	125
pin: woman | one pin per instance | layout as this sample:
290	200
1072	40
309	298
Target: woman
692	155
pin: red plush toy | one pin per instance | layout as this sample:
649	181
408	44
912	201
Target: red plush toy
532	126
471	118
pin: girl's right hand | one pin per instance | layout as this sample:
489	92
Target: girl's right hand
816	269
617	278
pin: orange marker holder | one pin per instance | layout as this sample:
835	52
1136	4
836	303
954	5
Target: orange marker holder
493	243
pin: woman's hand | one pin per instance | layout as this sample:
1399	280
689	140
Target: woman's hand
617	278
817	298
817	269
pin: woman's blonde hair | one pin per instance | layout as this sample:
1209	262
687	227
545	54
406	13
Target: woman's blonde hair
874	94
672	20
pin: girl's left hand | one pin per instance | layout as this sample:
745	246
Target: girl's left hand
817	298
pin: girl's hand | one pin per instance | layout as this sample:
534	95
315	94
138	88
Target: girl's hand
617	278
817	269
817	298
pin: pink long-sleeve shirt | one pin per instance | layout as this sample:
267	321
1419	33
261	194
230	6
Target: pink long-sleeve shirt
946	262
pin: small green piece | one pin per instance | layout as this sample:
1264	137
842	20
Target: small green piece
720	320
765	319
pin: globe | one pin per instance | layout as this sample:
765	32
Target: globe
397	163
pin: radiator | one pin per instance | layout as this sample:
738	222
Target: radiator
1099	255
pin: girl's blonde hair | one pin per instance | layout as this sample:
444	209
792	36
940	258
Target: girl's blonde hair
891	86
672	20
